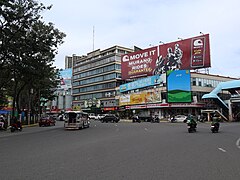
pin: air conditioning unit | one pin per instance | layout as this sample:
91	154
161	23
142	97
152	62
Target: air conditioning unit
107	94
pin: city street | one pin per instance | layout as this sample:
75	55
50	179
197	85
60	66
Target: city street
121	151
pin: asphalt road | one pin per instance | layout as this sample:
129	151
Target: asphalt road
121	151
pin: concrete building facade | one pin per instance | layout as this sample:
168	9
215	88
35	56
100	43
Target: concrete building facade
96	78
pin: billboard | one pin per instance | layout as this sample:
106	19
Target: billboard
65	78
191	53
179	86
144	82
144	97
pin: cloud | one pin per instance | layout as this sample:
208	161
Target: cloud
143	22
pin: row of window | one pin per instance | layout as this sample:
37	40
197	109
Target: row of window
95	88
205	82
98	63
98	71
95	95
98	79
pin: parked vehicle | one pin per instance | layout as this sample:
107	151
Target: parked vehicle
46	121
92	116
76	120
181	118
3	125
110	118
136	119
178	118
155	119
145	118
16	126
100	116
60	117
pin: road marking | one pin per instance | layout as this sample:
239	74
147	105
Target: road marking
146	129
221	149
238	143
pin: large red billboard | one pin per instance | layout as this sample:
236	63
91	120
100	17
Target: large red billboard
192	53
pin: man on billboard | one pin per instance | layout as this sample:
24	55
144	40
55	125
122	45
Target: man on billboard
172	61
178	53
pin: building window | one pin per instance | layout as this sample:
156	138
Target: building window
194	82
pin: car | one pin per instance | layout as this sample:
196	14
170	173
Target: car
110	118
46	121
100	116
60	117
180	118
92	116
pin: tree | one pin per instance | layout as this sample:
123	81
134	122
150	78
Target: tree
27	50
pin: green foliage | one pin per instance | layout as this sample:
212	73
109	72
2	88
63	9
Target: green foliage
28	47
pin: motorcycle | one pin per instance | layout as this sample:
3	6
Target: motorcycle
136	119
215	127
192	127
172	120
2	126
155	119
16	127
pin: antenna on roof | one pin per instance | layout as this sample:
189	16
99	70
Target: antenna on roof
93	38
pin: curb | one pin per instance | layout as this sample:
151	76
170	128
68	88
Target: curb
30	125
129	120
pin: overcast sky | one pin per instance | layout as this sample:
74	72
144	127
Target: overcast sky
143	22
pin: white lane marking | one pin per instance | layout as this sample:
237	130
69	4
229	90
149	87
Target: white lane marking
145	129
221	149
238	143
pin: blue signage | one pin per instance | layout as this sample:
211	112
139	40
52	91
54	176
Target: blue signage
145	82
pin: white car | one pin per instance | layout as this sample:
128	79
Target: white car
100	116
92	116
180	118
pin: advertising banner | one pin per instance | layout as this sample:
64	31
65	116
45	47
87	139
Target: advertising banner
65	78
192	53
187	54
139	64
179	86
148	96
144	82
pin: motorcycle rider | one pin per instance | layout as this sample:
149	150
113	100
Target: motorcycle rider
136	118
191	121
215	121
16	123
2	122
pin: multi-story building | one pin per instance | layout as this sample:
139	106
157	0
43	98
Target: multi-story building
96	79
